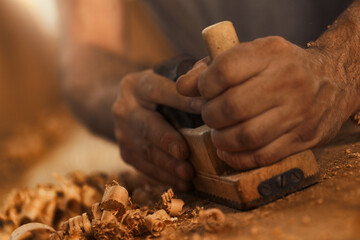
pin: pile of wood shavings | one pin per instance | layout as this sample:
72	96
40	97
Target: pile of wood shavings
77	209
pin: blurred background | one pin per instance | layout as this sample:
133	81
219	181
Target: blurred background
38	134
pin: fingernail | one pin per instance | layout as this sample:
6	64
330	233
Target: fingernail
184	171
199	65
196	104
180	79
220	154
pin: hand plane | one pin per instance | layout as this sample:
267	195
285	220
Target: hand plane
214	178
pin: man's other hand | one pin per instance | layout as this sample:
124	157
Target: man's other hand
146	140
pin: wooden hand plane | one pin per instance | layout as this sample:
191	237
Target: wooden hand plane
214	178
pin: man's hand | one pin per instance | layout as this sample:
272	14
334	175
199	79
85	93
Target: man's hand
268	99
146	140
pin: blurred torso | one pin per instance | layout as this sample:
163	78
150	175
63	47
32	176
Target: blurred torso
299	21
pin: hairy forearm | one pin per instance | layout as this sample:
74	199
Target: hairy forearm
341	45
90	82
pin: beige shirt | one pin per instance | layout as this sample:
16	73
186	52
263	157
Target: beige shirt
299	21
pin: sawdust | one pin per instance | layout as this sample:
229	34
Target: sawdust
111	215
327	210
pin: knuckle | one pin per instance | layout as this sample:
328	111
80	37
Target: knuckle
224	68
220	74
231	109
207	115
124	99
203	86
249	138
277	43
166	138
127	82
149	89
118	108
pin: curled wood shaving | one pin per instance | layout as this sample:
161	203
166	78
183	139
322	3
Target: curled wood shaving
24	229
171	204
167	196
175	207
115	199
213	219
156	222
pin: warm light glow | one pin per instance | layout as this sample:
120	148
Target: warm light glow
44	12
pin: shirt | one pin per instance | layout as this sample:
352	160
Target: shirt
298	21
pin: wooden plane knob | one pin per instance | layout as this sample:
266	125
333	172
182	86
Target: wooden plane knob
219	37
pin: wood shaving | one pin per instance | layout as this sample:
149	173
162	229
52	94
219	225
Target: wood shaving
171	204
156	222
355	118
175	207
213	219
146	195
115	199
21	231
77	209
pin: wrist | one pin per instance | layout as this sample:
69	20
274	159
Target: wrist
331	66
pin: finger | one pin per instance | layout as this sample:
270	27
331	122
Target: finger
187	84
171	165
277	150
256	132
154	154
153	171
232	67
153	88
153	127
240	103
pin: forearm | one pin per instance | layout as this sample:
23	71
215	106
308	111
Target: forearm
340	44
90	82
